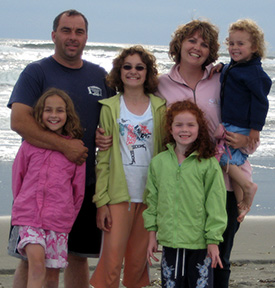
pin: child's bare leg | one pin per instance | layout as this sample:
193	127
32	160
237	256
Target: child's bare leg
249	188
52	278
239	197
37	269
237	191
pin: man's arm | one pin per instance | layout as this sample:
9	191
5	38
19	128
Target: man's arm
24	124
103	142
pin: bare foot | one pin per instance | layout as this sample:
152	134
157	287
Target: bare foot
242	213
249	194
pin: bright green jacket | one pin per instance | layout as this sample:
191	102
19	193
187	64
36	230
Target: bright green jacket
111	185
187	203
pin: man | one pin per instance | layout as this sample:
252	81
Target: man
85	83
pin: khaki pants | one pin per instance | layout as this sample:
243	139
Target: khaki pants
128	240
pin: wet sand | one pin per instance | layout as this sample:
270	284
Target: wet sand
253	255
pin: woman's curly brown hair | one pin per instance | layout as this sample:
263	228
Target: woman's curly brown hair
203	144
208	32
151	82
72	126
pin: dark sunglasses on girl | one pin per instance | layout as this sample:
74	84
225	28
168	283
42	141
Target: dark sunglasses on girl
130	67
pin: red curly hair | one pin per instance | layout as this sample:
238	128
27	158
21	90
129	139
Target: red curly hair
203	144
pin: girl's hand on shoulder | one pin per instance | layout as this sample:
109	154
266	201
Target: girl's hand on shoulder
215	69
152	247
214	253
103	218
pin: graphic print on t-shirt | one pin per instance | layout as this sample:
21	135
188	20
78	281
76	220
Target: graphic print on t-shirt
136	133
136	136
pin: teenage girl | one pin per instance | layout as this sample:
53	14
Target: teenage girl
48	191
134	118
186	199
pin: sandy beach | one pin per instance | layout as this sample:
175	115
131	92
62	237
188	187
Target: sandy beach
253	256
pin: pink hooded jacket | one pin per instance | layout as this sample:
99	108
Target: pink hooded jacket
48	189
206	95
173	88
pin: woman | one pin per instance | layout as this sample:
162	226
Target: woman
194	47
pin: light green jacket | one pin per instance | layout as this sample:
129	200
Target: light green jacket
111	185
187	203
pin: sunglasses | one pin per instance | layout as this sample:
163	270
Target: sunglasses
129	67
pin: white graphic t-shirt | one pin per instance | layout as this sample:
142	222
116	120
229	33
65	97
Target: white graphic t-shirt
136	143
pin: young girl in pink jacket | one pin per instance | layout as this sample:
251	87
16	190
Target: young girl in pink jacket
48	191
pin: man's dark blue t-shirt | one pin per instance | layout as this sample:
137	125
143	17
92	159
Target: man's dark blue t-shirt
85	86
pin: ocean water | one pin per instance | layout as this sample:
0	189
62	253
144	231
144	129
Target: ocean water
16	54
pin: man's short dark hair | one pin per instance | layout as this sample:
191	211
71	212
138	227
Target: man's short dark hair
69	13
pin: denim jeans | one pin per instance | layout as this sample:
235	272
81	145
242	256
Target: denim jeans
238	157
221	276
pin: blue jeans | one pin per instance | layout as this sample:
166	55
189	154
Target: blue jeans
237	156
221	276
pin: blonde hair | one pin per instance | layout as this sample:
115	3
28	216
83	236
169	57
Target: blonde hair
72	126
208	32
256	35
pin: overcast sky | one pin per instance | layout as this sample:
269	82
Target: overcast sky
133	21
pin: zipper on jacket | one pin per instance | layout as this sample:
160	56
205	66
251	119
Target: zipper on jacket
230	66
176	206
178	174
193	90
